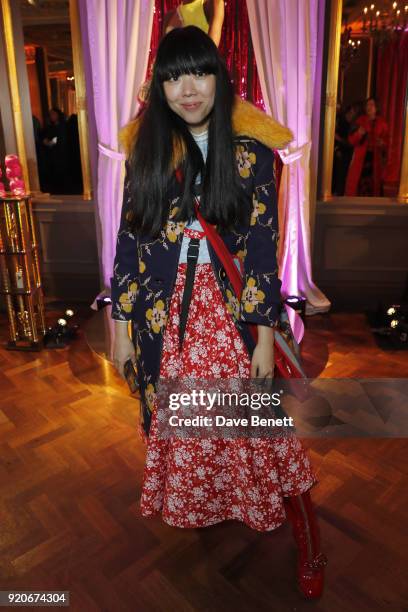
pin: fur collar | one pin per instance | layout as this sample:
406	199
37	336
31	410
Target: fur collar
247	120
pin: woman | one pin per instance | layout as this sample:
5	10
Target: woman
192	129
343	150
370	142
54	139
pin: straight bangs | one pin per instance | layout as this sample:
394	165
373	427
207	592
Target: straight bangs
183	52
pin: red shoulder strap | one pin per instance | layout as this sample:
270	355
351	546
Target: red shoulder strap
222	253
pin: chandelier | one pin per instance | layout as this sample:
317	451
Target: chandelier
381	22
349	48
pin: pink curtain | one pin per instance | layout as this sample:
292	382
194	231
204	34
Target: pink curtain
284	36
119	36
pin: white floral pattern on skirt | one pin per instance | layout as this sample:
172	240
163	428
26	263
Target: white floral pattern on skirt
199	482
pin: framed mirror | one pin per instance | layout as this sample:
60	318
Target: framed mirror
53	58
365	139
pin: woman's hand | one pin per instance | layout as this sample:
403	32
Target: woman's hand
263	358
123	348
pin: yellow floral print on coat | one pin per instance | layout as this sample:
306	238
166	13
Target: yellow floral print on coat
156	316
126	299
257	209
150	395
251	295
173	230
245	160
173	212
232	304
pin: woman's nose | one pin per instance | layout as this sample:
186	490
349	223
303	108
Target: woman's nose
188	85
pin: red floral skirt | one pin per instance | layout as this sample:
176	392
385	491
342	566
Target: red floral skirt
197	482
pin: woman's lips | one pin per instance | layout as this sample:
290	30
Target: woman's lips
191	107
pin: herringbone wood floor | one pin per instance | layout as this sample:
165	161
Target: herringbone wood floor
70	474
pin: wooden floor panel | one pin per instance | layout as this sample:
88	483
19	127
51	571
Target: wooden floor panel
70	475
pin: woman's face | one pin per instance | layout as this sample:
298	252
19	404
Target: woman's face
371	108
350	115
191	97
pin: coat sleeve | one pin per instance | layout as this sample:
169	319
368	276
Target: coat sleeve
124	282
260	298
354	137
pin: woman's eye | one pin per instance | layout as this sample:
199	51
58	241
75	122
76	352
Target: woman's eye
199	74
173	79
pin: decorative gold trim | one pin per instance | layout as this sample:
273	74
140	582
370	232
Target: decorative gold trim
80	96
20	274
370	67
331	97
403	187
47	77
14	90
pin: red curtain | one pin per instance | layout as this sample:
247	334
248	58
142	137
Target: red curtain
235	46
391	91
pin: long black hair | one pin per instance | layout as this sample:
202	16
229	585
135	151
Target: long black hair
223	201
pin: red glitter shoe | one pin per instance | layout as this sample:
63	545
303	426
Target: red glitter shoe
311	561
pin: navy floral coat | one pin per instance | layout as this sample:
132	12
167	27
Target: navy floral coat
145	268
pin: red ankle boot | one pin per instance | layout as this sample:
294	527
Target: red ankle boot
311	562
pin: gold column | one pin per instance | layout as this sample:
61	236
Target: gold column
47	78
15	94
80	95
403	186
370	67
331	97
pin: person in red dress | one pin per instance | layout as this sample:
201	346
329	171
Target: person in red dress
194	128
370	142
